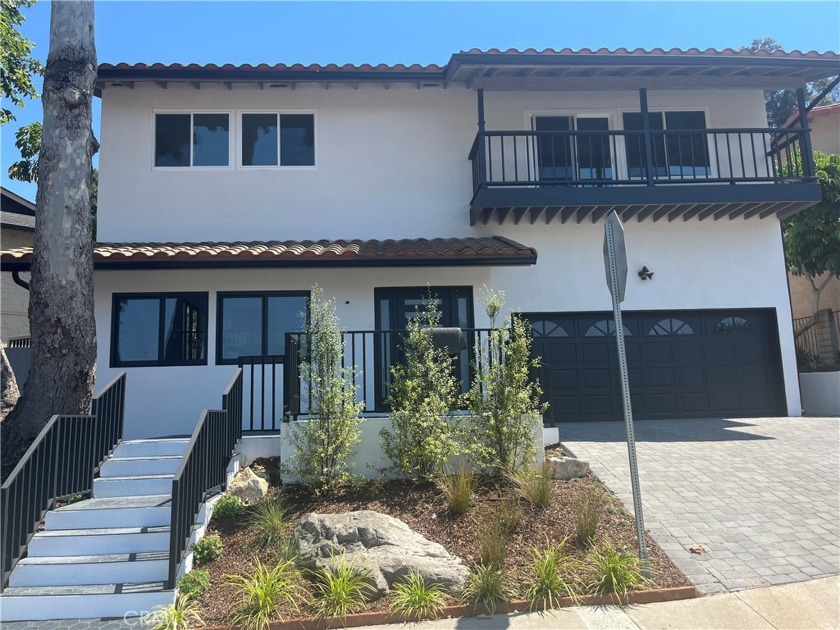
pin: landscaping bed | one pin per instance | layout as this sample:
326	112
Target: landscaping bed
423	508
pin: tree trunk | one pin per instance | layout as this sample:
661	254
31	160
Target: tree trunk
9	392
61	321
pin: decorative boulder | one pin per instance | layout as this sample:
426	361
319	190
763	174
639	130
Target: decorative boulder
248	486
568	467
384	545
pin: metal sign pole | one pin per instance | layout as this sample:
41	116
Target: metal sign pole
617	290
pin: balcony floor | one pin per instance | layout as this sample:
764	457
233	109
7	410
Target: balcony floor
687	201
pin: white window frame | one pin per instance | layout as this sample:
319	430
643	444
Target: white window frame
713	174
530	115
231	139
278	113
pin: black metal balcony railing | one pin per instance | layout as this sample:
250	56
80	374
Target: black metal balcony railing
274	390
612	158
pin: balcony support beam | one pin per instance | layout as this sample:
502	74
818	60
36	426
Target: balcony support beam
643	107
808	167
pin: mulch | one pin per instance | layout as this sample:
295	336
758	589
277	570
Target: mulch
421	506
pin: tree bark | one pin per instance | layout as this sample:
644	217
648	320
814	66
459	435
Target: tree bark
9	392
61	320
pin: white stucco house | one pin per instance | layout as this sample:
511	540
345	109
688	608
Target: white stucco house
227	192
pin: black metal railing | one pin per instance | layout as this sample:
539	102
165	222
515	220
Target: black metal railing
275	390
817	339
638	158
203	468
62	461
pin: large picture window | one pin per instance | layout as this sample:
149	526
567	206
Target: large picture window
255	324
159	329
183	140
278	139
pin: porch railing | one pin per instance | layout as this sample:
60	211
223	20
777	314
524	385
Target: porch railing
62	461
275	392
639	158
203	468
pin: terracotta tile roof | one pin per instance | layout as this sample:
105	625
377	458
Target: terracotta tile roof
491	250
278	67
707	52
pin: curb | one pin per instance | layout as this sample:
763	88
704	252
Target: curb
465	610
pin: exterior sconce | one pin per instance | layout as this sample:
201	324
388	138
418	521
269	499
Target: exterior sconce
646	274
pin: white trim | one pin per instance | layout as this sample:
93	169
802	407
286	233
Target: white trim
192	111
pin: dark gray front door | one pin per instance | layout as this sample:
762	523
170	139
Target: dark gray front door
682	364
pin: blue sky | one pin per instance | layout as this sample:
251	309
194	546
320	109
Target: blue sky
414	32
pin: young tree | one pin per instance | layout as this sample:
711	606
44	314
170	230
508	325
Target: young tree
424	391
61	319
504	400
812	237
323	443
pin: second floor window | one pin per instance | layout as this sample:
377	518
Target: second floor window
278	139
192	140
679	148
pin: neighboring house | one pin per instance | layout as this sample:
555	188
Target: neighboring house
17	224
824	122
497	169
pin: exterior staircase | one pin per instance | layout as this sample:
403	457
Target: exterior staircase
107	556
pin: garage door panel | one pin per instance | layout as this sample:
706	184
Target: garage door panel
681	364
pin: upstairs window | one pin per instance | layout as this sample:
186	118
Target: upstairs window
278	139
192	140
677	153
159	329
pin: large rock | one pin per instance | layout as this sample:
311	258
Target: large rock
248	486
383	544
568	467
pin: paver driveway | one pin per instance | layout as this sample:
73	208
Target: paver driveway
762	495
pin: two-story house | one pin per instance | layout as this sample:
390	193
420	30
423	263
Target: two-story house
227	192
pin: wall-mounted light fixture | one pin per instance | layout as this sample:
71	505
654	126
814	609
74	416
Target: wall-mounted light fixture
646	274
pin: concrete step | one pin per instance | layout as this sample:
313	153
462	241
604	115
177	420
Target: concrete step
65	542
135	486
133	466
108	512
98	600
151	448
94	569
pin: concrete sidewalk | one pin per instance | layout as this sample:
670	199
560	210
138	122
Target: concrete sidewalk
808	605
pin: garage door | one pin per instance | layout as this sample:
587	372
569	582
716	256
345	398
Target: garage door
682	364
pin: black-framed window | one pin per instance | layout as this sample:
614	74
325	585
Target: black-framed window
564	157
158	329
255	324
192	140
676	151
270	139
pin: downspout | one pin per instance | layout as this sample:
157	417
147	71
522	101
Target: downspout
19	281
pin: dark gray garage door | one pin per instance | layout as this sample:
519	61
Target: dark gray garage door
683	364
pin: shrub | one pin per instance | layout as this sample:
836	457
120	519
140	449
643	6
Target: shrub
178	616
323	444
504	402
424	391
340	587
264	592
414	598
551	578
614	571
485	587
492	542
533	486
228	506
207	549
509	515
458	488
587	511
271	522
193	584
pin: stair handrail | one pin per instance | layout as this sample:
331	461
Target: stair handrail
62	461
203	467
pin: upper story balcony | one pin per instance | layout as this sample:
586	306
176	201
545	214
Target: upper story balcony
661	165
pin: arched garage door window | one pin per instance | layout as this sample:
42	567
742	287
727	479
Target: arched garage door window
671	326
605	328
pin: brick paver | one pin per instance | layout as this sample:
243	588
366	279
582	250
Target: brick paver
761	495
